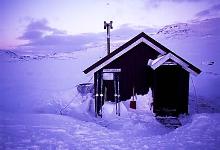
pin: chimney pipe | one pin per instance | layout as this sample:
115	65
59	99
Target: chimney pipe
108	26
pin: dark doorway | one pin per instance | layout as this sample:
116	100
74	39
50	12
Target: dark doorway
109	90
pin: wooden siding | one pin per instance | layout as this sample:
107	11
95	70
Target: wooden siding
134	70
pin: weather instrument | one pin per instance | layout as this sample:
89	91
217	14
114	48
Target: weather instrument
108	26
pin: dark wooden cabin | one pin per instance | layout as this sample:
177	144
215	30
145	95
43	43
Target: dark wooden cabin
138	65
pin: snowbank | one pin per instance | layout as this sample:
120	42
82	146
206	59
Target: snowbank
109	109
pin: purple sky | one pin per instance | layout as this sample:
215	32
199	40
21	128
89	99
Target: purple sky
48	24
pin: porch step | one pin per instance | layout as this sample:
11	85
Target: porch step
170	122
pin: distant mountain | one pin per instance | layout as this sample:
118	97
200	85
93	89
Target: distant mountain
7	53
175	29
208	27
202	28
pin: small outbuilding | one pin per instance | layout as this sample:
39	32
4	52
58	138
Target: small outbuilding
135	67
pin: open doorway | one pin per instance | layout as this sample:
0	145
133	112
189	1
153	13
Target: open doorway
107	89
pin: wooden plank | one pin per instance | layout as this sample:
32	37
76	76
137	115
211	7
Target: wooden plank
111	70
170	122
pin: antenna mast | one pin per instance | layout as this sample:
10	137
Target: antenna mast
108	26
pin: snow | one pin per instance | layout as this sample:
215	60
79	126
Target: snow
138	130
41	107
109	110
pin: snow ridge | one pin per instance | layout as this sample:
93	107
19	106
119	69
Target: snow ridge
7	55
179	29
202	28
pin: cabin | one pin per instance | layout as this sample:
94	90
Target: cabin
135	67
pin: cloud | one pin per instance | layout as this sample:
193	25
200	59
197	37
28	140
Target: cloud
37	29
42	37
190	0
157	3
31	35
126	31
214	11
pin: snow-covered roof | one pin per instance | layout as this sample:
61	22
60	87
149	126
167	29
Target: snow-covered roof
162	59
140	38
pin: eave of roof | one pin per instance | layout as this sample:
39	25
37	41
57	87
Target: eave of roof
154	64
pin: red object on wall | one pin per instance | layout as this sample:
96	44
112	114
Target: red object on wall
133	104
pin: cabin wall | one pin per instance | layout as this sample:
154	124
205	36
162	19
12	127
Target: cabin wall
134	71
170	90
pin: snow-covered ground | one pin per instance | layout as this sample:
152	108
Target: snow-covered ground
35	89
138	130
